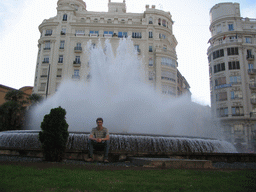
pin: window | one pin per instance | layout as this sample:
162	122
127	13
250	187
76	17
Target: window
220	81
94	33
108	33
80	33
230	27
233	51
42	87
150	48
237	111
232	65
150	62
63	31
162	36
222	96
249	54
166	89
210	58
48	32
62	43
235	79
44	72
122	34
46	59
236	95
59	72
159	21
167	75
65	17
168	62
250	66
164	23
150	20
151	75
218	53
137	48
77	60
76	74
47	45
60	59
150	34
78	46
219	67
222	112
219	29
136	35
165	48
248	40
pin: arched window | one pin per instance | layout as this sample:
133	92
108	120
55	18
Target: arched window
159	21
65	17
150	21
164	23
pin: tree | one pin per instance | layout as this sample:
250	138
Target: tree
54	135
12	111
35	99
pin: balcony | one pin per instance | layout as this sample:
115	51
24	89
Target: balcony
43	76
252	85
76	77
47	48
77	63
78	49
62	33
108	35
48	34
253	101
94	35
41	89
250	57
251	71
253	114
45	61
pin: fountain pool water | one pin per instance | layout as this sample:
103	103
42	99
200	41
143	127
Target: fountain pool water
117	91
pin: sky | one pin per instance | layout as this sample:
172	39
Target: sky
19	35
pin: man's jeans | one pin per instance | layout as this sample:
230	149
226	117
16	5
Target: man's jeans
94	145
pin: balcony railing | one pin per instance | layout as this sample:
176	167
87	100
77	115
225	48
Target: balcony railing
253	114
94	35
45	61
108	35
78	49
76	63
250	57
253	101
77	77
48	34
252	85
252	71
47	48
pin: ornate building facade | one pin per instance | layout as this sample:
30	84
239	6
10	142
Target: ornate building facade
232	67
61	52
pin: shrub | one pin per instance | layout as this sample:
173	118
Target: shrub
54	135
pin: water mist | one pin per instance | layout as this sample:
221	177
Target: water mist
118	93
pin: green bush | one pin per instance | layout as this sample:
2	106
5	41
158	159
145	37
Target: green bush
54	135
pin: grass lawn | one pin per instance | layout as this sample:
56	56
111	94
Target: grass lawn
24	178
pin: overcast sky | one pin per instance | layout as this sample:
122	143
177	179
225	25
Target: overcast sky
19	34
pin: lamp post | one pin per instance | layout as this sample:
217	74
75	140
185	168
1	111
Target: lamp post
48	80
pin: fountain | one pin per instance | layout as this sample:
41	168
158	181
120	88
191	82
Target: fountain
130	107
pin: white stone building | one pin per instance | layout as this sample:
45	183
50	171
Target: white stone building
63	37
233	73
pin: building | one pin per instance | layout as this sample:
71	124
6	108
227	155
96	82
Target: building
27	91
233	73
63	37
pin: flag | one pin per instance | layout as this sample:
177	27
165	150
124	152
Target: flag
224	37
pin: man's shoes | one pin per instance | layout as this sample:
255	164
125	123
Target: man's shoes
106	161
90	160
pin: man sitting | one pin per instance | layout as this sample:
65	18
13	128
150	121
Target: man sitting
99	137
